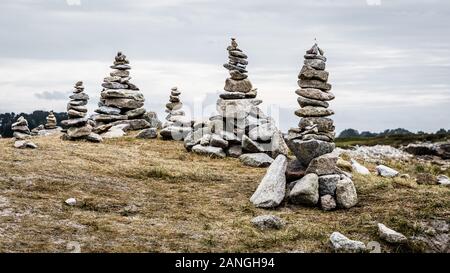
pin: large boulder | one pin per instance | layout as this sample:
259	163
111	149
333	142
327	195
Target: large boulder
306	191
256	160
328	183
305	151
346	196
323	165
342	244
272	189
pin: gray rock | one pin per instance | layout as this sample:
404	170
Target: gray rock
385	171
263	133
217	141
93	137
305	151
71	202
175	133
79	96
327	202
114	85
272	189
315	84
323	165
232	95
135	113
443	180
22	144
193	138
109	118
304	102
390	235
305	191
209	150
238	54
122	94
346	196
205	140
358	168
75	114
243	86
239	109
121	67
235	68
108	110
148	133
114	132
251	146
265	222
328	183
235	151
74	122
152	119
309	73
256	160
342	244
120	73
278	145
315	94
124	103
295	171
311	111
79	132
236	75
315	63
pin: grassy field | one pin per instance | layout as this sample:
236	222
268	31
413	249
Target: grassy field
152	196
395	140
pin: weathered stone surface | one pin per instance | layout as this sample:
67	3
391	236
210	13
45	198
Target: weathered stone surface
327	202
120	73
109	118
78	132
81	108
310	111
122	94
309	73
108	110
272	189
79	96
321	124
116	131
385	171
232	95
239	109
305	191
235	68
148	133
236	75
22	144
205	140
443	180
358	168
74	122
295	171
346	196
304	102
152	119
256	160
77	103
193	138
342	244
315	64
243	86
114	85
315	94
278	145
124	103
209	150
263	133
217	141
175	133
328	184
323	165
314	84
305	151
135	113
390	235
251	146
93	137
238	54
265	222
234	151
75	114
344	165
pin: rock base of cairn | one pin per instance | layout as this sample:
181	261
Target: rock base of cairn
78	126
312	178
240	126
121	102
49	128
22	134
177	126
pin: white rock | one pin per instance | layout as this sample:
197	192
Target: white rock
71	201
306	191
342	244
21	144
358	168
114	132
390	235
272	189
256	160
443	180
385	171
374	153
346	196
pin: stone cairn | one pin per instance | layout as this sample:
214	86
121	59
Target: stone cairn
177	126
314	178
51	121
78	126
241	127
121	103
20	129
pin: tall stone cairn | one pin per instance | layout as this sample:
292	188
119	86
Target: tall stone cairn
313	141
20	129
177	126
77	125
240	126
51	121
121	102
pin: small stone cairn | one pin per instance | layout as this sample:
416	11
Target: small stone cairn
20	129
314	178
51	121
78	125
240	126
177	126
121	102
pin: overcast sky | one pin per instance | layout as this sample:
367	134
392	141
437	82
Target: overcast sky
389	60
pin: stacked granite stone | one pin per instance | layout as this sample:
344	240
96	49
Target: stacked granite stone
177	126
240	126
51	121
121	101
78	126
313	142
20	129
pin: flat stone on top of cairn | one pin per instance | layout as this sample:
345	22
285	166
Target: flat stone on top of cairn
121	102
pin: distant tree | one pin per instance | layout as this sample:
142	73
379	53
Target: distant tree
34	120
441	132
368	134
395	132
348	133
421	133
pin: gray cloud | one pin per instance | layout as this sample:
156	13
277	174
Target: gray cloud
52	95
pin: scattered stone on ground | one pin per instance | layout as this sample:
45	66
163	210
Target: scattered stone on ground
385	171
342	244
265	222
71	201
358	168
390	235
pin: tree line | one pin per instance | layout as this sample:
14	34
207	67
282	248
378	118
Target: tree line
34	120
352	133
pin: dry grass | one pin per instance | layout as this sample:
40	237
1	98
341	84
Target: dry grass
182	202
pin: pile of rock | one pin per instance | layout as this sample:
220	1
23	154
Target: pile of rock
51	121
177	126
439	149
20	129
240	126
78	126
121	102
314	176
